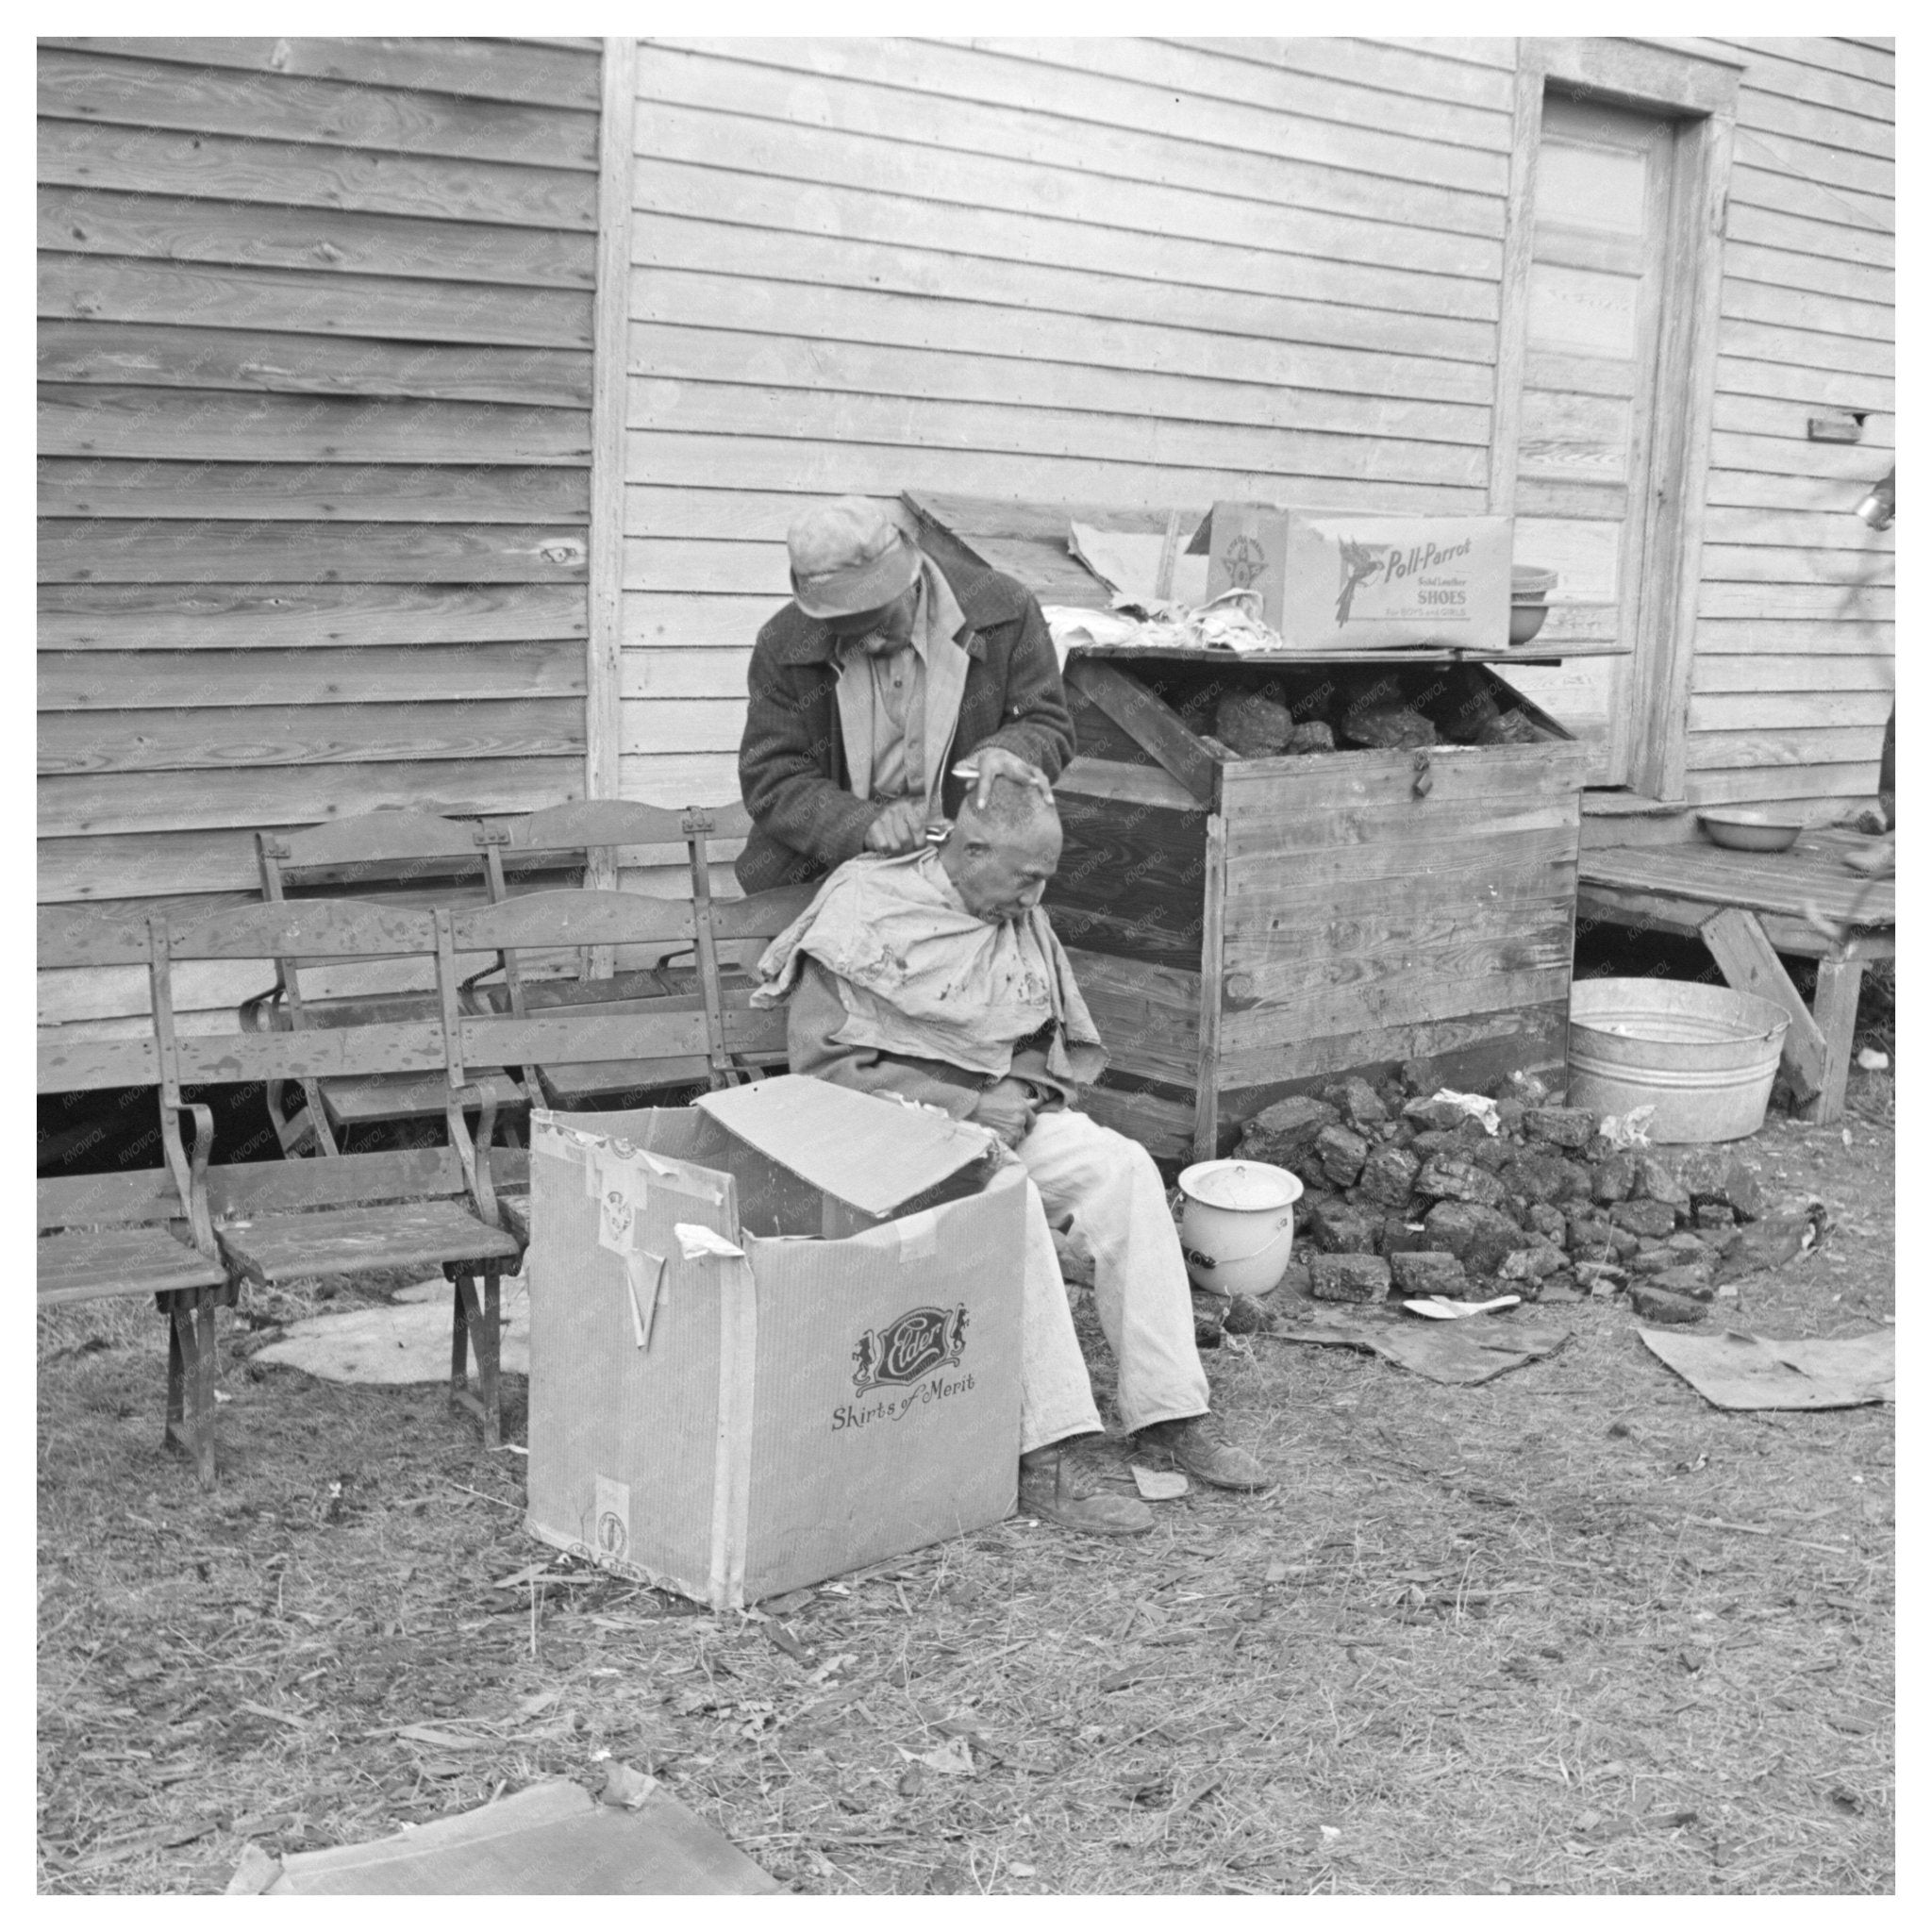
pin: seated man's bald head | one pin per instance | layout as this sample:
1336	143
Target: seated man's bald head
1000	858
1012	809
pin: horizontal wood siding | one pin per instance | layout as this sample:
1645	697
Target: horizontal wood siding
315	327
1792	678
1107	270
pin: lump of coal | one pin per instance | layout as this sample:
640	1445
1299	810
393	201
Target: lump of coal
1253	727
1388	727
1311	737
1348	1278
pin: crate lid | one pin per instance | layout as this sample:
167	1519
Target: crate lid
874	1155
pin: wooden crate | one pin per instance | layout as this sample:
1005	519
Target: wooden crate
1247	928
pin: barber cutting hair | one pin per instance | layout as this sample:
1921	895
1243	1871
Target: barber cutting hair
884	689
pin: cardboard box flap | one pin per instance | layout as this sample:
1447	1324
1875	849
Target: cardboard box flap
874	1155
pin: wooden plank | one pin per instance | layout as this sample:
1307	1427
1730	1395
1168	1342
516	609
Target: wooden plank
1149	1016
1764	180
151	355
1795	529
420	493
1686	447
183	801
603	708
116	289
646	674
1003	183
1800	308
1432	989
1781	268
241	736
1831	73
291	173
1814	676
1818	602
1764	784
1256	896
79	419
729	85
1795	149
1834	387
1835	1007
1747	488
80	550
1171	93
721	410
1759	882
1102	778
477	69
1788	419
1129	881
1726	751
1150	723
1291	788
1777	563
681	724
667	351
692	248
753	458
1759	710
94	221
1418	825
1737	943
680	779
1512	331
1417	70
1860	147
257	615
1161	1124
1318	259
124	681
1211	992
1808	348
1797	455
394	120
1358	94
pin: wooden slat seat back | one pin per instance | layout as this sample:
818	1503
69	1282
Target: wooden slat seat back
606	834
743	928
589	1045
403	859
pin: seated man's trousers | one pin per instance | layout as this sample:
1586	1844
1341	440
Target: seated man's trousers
1111	1188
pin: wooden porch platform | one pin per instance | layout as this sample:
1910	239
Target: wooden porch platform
1749	907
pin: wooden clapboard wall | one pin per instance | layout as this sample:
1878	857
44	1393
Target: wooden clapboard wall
1792	676
315	374
1104	270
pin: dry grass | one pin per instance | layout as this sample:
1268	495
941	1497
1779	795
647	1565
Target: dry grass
1573	1631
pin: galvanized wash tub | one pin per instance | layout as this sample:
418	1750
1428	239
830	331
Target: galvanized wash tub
1703	1055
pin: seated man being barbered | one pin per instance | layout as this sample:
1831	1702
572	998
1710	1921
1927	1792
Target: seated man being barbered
936	977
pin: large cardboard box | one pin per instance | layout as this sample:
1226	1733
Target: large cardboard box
1345	580
773	1337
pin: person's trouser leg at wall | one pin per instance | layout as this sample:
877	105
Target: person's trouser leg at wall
1112	1190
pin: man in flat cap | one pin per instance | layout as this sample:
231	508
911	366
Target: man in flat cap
883	674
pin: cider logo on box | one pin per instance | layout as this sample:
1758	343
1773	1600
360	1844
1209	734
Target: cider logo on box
919	1341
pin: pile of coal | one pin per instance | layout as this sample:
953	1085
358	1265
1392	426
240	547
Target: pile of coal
1545	1207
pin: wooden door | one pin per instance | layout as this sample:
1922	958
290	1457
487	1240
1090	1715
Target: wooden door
1589	403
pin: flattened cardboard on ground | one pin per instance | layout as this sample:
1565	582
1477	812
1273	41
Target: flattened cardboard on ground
1737	1370
1459	1353
550	1837
742	1379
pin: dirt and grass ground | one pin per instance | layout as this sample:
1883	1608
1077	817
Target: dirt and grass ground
1573	1631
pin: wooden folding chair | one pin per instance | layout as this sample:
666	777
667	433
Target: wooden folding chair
396	857
362	1213
146	1230
603	837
